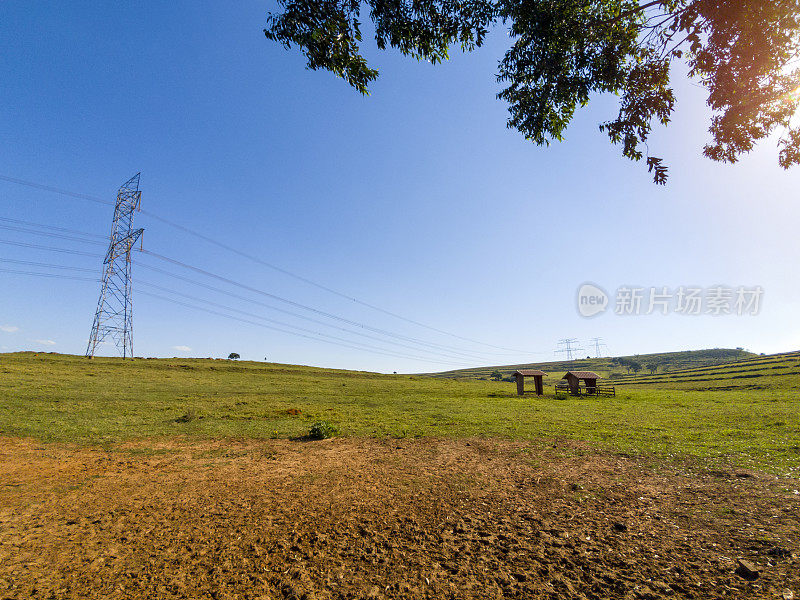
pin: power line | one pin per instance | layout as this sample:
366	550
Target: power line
361	345
61	236
53	275
346	345
301	316
55	190
292	302
52	227
67	267
261	262
460	354
297	315
46	265
51	248
318	285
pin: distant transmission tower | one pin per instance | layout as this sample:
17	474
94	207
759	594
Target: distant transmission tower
114	317
598	343
569	347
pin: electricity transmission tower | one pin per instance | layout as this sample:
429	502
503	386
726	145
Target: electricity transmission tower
114	316
569	347
598	343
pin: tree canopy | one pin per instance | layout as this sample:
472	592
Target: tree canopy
565	51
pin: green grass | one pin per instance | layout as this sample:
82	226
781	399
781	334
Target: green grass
104	401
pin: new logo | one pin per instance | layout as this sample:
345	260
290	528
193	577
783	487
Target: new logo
592	300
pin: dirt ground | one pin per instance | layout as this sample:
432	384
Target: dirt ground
355	518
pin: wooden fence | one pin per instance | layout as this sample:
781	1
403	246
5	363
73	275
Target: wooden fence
584	390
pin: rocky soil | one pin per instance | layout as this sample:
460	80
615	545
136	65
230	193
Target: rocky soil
355	518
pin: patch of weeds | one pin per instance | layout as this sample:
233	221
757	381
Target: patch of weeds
265	453
189	416
322	430
399	435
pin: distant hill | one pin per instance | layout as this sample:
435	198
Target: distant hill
757	373
609	367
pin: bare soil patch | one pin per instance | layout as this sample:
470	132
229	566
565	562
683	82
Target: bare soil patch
364	518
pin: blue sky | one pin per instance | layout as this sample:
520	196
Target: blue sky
416	199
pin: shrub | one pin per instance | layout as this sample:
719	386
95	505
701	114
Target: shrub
322	430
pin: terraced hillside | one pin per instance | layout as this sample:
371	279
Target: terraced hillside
667	361
759	373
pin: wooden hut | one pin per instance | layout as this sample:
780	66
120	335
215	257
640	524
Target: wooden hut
574	379
537	380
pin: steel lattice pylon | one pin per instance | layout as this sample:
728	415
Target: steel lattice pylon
114	317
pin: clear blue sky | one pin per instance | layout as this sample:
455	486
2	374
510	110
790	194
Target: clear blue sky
416	199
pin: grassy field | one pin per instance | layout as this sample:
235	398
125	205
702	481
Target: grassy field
63	398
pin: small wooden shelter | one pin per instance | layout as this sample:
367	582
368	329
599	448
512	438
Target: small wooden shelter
589	387
537	380
574	379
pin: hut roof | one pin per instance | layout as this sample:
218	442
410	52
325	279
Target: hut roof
582	375
528	372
